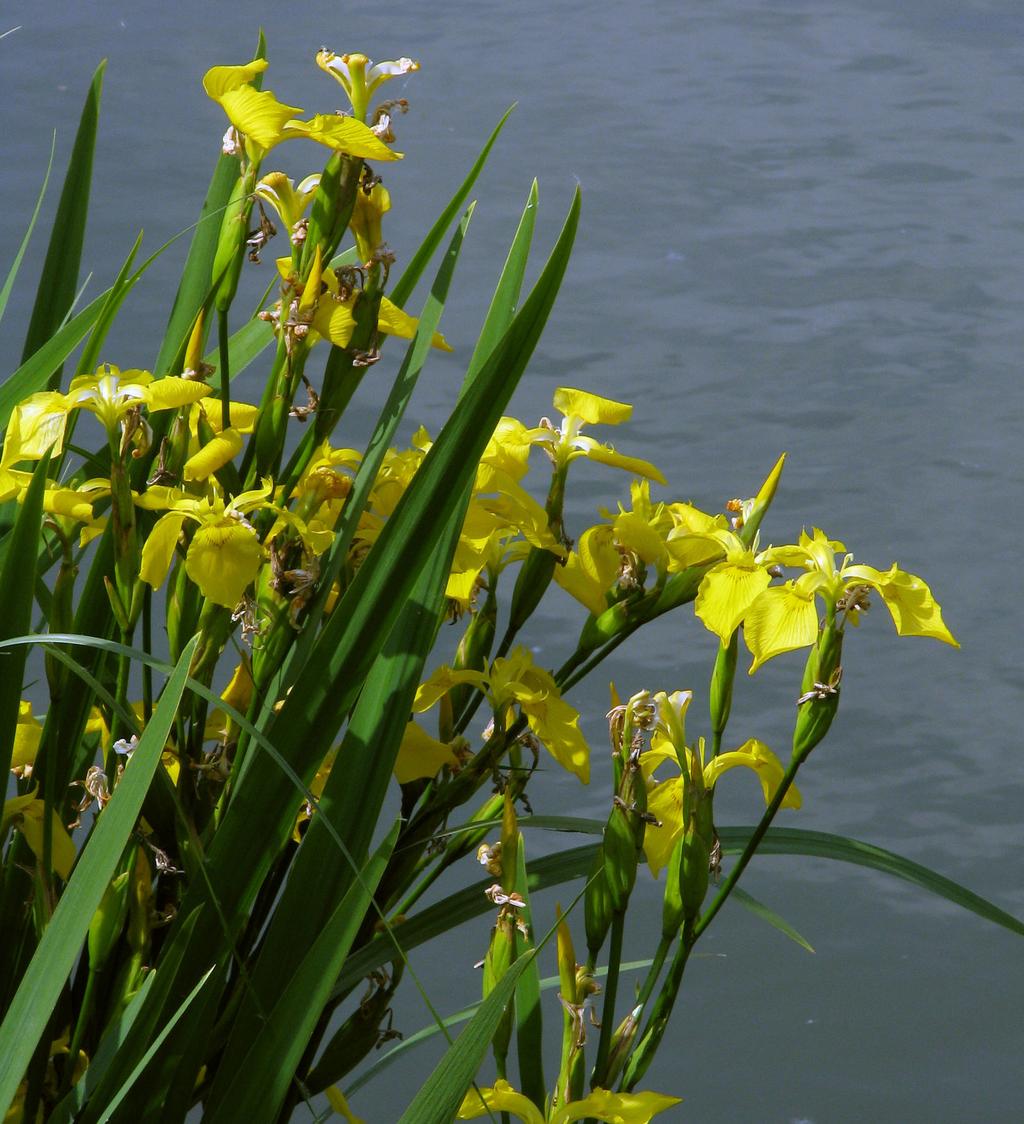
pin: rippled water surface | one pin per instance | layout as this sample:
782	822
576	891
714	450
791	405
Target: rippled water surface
803	230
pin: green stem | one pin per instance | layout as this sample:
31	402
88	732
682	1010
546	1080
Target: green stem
84	1014
655	1029
654	971
611	987
225	370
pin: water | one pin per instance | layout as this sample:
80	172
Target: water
803	228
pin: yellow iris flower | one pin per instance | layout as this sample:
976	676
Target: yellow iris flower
600	1104
665	798
359	77
785	617
515	680
224	555
38	423
578	409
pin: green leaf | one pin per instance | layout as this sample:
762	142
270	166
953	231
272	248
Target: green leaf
61	943
114	298
551	870
12	273
17	584
418	263
31	376
438	1100
113	1036
839	848
194	288
59	279
410	1041
252	1085
759	909
352	637
146	1058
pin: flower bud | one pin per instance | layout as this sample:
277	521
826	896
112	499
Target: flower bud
721	684
108	921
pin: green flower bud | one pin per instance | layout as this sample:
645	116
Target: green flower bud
721	684
227	261
332	207
108	921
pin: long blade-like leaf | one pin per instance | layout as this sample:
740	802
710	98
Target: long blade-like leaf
253	1085
33	373
12	273
136	1073
768	915
418	263
62	939
59	279
438	1100
822	845
115	297
17	582
194	286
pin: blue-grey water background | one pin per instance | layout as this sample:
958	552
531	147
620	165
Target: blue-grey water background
803	229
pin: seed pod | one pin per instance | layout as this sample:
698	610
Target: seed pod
672	910
694	857
475	647
820	699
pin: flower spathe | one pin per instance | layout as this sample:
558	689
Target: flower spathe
600	1104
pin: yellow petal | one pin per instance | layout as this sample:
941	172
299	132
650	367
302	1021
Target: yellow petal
171	392
398	323
615	1108
421	756
591	408
754	754
218	80
340	1105
499	1098
782	619
258	115
726	593
605	454
27	733
223	559
665	803
343	134
26	813
440	683
213	455
638	535
913	609
159	547
36	424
